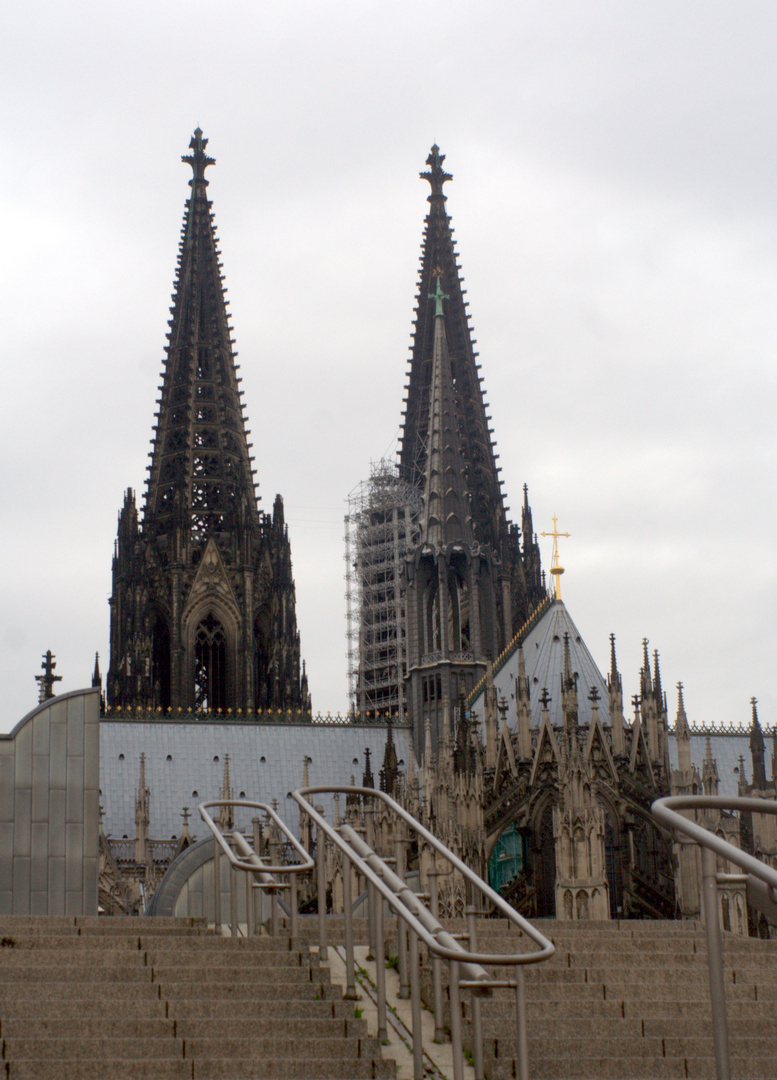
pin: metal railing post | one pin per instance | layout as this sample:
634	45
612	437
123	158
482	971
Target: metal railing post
455	1001
709	871
350	972
216	886
293	904
522	1040
233	901
257	894
434	907
274	892
369	837
380	975
249	905
321	868
399	855
415	1009
477	1024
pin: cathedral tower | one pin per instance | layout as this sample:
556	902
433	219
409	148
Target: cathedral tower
472	580
203	603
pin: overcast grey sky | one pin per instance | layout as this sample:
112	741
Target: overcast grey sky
616	214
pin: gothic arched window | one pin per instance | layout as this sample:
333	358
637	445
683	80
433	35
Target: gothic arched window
161	663
210	665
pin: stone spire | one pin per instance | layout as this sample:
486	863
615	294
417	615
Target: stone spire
368	780
201	467
615	695
757	749
226	817
390	770
486	507
203	605
142	815
446	516
709	770
682	734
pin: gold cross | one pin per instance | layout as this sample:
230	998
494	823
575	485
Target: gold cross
556	568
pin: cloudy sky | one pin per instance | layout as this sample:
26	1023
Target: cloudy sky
615	205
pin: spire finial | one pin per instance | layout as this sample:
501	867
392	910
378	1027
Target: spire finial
198	159
613	659
48	678
556	568
436	175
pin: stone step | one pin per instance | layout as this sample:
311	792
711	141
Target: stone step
248	1009
80	973
99	1008
109	1025
105	1047
206	974
262	1025
501	1009
189	1069
268	1048
100	1069
626	1068
248	991
65	991
126	1048
250	960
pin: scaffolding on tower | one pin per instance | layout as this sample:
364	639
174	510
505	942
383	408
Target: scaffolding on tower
381	528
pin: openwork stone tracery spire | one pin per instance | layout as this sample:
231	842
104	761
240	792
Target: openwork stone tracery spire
203	604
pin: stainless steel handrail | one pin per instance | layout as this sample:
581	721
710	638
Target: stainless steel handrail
466	965
265	875
761	881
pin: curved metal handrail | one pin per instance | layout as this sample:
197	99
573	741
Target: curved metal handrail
424	924
666	810
410	909
250	862
244	863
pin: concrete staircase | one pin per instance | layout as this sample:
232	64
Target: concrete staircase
629	1001
152	999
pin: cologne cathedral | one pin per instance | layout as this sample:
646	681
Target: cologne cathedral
203	604
494	725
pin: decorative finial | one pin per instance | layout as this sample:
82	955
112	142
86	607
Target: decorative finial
436	175
556	568
48	678
198	159
438	296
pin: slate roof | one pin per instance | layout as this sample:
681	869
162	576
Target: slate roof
726	750
543	653
185	766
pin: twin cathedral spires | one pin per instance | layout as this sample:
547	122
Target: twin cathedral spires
203	600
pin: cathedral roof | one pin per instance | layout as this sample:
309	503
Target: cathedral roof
726	749
543	657
184	766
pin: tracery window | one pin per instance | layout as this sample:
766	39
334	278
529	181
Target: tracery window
210	665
